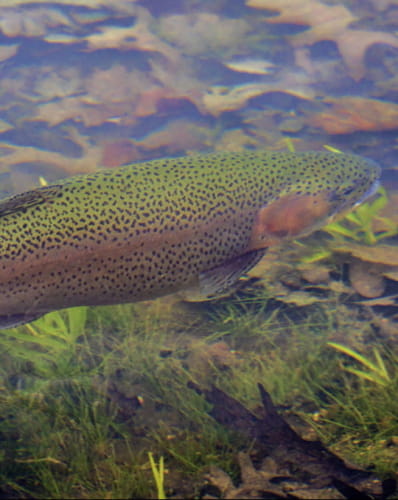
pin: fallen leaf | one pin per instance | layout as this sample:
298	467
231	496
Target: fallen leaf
32	23
73	108
148	101
4	126
61	38
366	279
380	301
391	274
352	45
179	81
51	84
286	465
300	299
88	162
219	99
349	114
114	84
339	287
327	22
203	32
315	273
250	65
119	153
122	5
177	136
203	359
305	12
136	36
380	254
7	51
91	16
383	4
236	140
388	327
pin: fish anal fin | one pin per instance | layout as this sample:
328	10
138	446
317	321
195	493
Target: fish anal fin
21	202
220	281
13	320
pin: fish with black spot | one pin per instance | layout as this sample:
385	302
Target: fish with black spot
193	224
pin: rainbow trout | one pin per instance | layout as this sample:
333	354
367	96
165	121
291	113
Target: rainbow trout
192	224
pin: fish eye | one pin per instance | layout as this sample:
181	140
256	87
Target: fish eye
348	191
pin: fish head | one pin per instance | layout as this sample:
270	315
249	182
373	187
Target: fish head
318	188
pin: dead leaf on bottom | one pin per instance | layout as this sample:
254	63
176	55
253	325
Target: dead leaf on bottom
349	114
391	300
367	279
327	22
7	51
380	254
288	466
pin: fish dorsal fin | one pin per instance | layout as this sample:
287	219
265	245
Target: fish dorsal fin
220	281
21	202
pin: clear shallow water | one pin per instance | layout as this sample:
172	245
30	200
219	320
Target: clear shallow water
93	84
85	85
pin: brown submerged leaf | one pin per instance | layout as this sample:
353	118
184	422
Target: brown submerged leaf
383	4
391	274
315	273
219	99
137	36
349	114
287	466
327	22
177	136
119	153
72	108
390	300
88	162
203	32
367	279
379	254
91	4
236	140
8	51
32	23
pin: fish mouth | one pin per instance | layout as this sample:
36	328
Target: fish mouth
340	212
371	191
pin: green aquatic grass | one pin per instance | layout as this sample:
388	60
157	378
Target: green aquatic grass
358	225
359	421
66	438
376	370
50	343
158	475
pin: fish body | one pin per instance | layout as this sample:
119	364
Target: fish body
192	224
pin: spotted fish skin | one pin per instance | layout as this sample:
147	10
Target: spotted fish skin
158	227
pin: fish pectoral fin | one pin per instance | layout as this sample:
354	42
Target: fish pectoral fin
13	320
21	202
220	281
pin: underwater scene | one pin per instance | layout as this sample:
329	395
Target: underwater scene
210	308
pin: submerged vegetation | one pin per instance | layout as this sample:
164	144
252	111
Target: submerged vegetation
376	371
360	225
89	397
126	392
